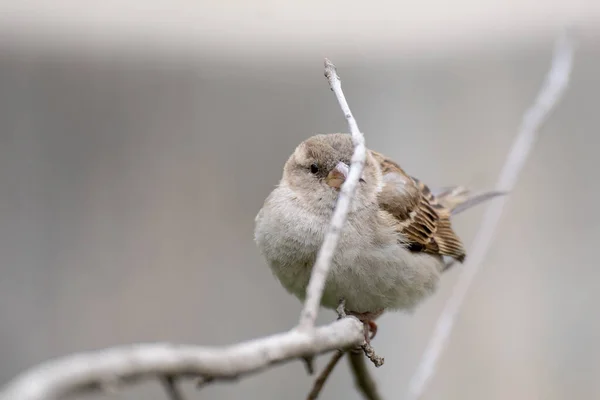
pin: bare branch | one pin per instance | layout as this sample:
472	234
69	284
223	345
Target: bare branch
362	378
320	381
551	92
314	291
57	378
371	355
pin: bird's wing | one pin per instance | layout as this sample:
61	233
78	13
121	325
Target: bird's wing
421	219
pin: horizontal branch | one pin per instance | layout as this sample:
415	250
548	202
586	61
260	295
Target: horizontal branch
110	367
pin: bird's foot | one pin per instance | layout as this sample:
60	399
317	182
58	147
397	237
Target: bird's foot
368	320
370	330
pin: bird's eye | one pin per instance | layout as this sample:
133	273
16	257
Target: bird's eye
314	168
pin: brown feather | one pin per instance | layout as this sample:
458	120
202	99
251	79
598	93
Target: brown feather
423	222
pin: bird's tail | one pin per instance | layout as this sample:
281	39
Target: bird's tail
458	198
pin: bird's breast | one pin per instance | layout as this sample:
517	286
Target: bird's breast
370	269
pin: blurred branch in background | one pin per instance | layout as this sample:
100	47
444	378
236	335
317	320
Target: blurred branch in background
549	95
362	379
322	378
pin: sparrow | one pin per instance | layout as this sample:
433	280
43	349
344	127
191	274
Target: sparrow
397	240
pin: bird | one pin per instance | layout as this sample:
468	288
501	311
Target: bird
397	241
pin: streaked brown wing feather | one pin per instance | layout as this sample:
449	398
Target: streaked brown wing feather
421	219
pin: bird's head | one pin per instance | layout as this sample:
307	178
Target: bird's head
320	165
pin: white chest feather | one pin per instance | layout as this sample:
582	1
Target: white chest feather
370	269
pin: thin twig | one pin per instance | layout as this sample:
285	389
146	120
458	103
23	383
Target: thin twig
58	378
320	381
170	384
205	380
309	364
362	378
371	355
314	291
551	92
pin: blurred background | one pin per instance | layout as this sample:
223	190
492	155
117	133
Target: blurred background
138	140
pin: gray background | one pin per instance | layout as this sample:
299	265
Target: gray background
130	176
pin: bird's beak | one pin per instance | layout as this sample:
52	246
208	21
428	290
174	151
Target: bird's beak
337	175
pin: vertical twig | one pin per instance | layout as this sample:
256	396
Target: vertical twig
320	381
314	291
362	378
173	392
549	95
